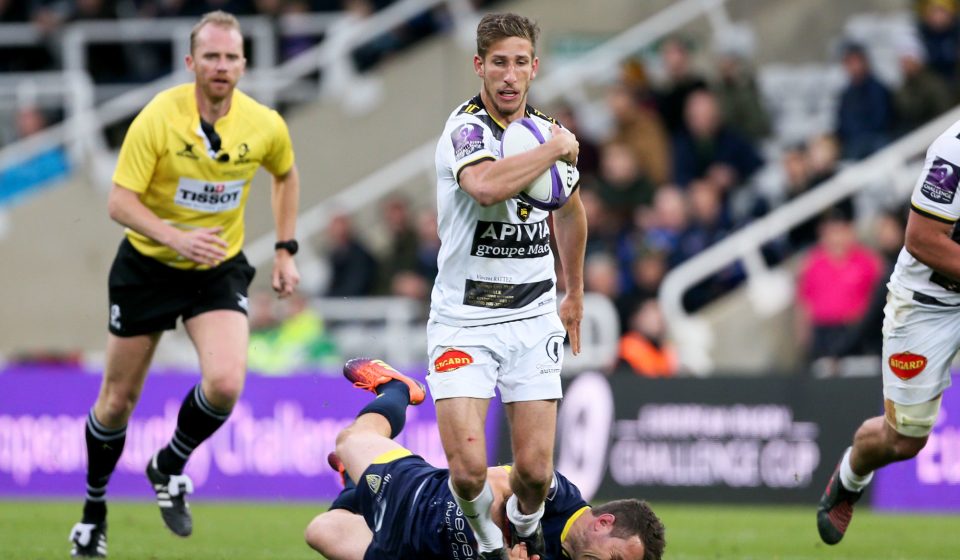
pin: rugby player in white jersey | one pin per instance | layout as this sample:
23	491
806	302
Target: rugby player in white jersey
921	333
494	319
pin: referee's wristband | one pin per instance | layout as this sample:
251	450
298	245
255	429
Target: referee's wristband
291	246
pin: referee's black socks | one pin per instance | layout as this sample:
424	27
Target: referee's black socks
104	446
197	421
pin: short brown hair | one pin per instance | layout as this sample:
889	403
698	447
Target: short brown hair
634	517
494	27
217	17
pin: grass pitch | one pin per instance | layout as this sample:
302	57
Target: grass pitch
247	531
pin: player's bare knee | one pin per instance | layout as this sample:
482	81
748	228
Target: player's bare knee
468	478
318	531
223	390
908	447
115	406
534	476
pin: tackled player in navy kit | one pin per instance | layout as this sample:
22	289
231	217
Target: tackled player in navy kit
494	318
401	507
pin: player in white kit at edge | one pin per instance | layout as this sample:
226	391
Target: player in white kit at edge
494	319
921	334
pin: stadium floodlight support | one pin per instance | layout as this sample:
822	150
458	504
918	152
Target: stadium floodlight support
769	290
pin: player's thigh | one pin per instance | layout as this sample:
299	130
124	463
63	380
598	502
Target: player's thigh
534	360
358	449
533	426
339	535
919	342
464	361
462	425
221	338
125	370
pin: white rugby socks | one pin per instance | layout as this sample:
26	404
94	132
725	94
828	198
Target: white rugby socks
525	524
851	480
477	511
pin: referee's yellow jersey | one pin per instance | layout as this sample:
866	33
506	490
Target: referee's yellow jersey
168	160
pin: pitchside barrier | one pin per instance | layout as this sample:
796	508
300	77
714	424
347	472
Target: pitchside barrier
274	446
737	440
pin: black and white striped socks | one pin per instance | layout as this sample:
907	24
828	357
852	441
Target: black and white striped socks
104	446
197	421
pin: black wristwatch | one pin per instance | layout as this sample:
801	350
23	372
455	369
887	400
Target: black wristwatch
291	246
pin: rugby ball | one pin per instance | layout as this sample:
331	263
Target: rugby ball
552	189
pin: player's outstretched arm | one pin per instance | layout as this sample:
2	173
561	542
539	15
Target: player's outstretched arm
285	199
200	245
570	227
492	182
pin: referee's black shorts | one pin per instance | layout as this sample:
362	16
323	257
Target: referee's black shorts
147	296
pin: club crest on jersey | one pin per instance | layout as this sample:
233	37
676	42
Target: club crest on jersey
187	151
467	139
373	481
452	359
523	210
907	365
941	182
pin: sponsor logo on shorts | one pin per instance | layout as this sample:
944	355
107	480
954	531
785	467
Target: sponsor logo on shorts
115	316
555	348
940	185
907	365
467	139
373	481
452	359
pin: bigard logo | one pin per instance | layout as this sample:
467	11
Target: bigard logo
452	359
907	365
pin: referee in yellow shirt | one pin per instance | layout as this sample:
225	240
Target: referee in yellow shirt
180	188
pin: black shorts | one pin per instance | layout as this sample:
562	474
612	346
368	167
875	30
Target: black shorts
147	296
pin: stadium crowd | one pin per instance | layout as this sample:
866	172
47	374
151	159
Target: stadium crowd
674	173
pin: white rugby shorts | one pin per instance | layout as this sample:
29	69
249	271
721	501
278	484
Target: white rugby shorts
919	342
522	358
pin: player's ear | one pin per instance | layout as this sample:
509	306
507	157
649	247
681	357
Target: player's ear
478	65
535	64
603	523
188	60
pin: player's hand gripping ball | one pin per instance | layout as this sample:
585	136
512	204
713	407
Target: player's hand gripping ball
550	190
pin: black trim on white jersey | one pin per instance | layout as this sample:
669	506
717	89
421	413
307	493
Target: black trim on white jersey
503	296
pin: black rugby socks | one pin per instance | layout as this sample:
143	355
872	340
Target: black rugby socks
104	446
392	400
197	421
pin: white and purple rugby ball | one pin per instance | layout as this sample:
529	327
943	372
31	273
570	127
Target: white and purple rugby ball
552	189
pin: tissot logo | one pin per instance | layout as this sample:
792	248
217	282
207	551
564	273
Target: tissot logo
187	151
500	240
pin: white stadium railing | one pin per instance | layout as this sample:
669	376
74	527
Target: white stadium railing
891	172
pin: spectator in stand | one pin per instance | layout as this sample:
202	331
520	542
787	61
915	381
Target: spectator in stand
940	32
601	275
642	129
296	340
709	148
865	113
834	287
682	80
41	168
401	253
888	235
665	223
797	181
352	266
924	94
588	161
622	184
602	231
739	97
644	347
26	58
